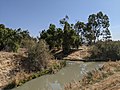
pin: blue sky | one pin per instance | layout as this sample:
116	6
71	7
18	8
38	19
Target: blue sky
36	15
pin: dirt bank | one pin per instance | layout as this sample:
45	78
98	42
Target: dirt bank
106	78
14	69
10	66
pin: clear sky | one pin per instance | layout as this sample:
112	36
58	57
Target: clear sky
36	15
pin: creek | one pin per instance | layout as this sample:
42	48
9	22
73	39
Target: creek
74	70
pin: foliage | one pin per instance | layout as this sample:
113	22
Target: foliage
50	70
53	36
56	37
106	50
26	40
38	56
28	43
96	76
80	29
10	39
95	29
98	25
72	36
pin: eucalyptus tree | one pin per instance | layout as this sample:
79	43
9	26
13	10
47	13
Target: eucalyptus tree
66	36
49	36
51	40
88	34
106	34
98	22
70	37
59	38
80	29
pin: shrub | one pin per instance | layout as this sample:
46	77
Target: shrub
106	50
10	39
27	43
39	56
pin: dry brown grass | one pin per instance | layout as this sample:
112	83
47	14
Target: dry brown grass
106	78
81	53
13	67
10	66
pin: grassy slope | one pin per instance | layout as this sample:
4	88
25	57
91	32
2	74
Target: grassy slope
13	69
106	78
9	66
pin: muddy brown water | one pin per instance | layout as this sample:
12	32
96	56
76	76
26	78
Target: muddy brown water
73	71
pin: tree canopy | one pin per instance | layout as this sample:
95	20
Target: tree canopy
73	35
10	40
67	37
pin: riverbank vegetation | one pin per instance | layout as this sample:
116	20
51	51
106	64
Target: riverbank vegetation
105	78
63	38
25	57
23	77
38	57
33	62
109	50
74	35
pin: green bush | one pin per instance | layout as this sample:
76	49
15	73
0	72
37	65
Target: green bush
10	40
106	50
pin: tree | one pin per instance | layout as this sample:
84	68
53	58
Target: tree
66	38
49	36
59	38
106	34
88	34
10	40
70	37
98	22
79	27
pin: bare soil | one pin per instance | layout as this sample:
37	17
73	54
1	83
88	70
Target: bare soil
81	53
